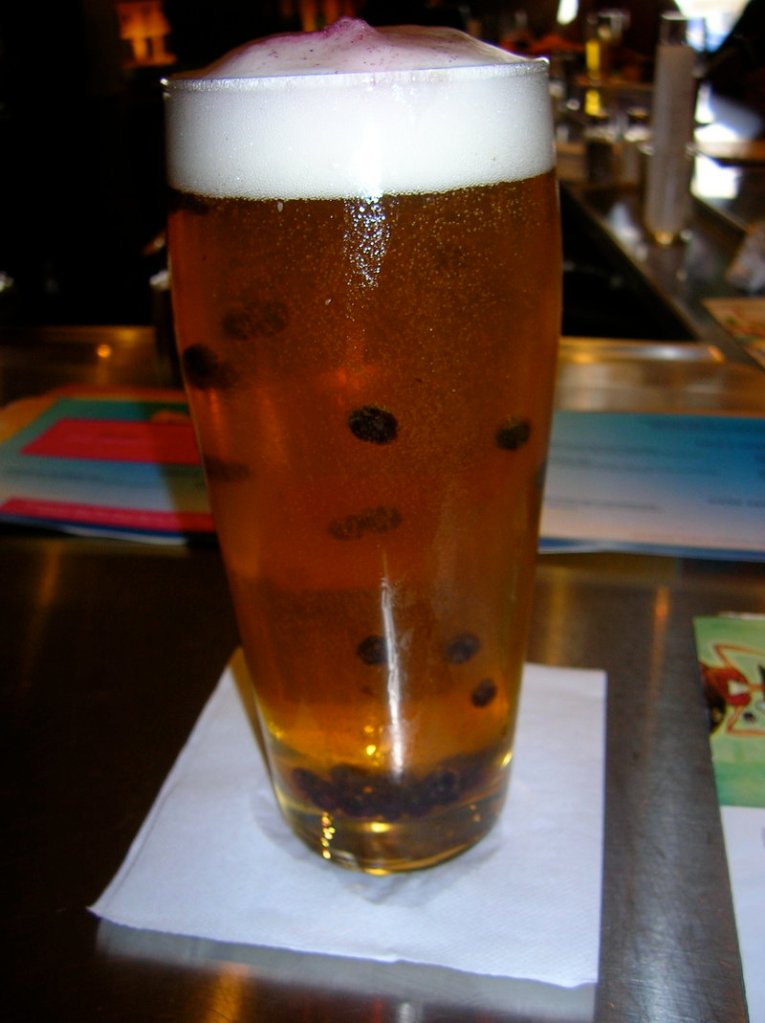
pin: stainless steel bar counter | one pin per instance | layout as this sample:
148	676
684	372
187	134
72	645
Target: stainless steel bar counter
110	649
674	279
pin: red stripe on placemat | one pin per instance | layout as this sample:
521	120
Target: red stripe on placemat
163	443
122	518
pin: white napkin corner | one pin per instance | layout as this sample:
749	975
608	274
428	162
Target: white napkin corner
215	860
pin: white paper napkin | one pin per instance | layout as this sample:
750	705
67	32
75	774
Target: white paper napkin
215	860
744	830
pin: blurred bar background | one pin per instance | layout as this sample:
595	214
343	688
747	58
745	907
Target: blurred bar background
82	202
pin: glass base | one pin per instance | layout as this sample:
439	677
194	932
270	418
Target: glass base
383	847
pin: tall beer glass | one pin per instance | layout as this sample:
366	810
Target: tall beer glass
365	268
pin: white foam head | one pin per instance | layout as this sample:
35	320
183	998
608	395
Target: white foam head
356	111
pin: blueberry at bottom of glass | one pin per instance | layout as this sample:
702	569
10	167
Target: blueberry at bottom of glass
410	843
354	792
378	824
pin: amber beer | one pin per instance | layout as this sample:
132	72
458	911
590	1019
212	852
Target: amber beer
370	372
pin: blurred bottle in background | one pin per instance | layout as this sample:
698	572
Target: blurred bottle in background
667	201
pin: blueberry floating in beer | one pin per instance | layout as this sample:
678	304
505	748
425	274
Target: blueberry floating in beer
226	471
205	370
513	434
369	520
484	693
462	648
265	318
373	650
373	424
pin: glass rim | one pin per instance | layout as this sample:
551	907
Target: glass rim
199	81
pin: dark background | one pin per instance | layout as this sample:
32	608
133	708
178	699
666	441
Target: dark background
82	196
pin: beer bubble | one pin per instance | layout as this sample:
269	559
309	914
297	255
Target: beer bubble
462	648
204	369
255	319
483	693
373	424
369	520
373	650
513	434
